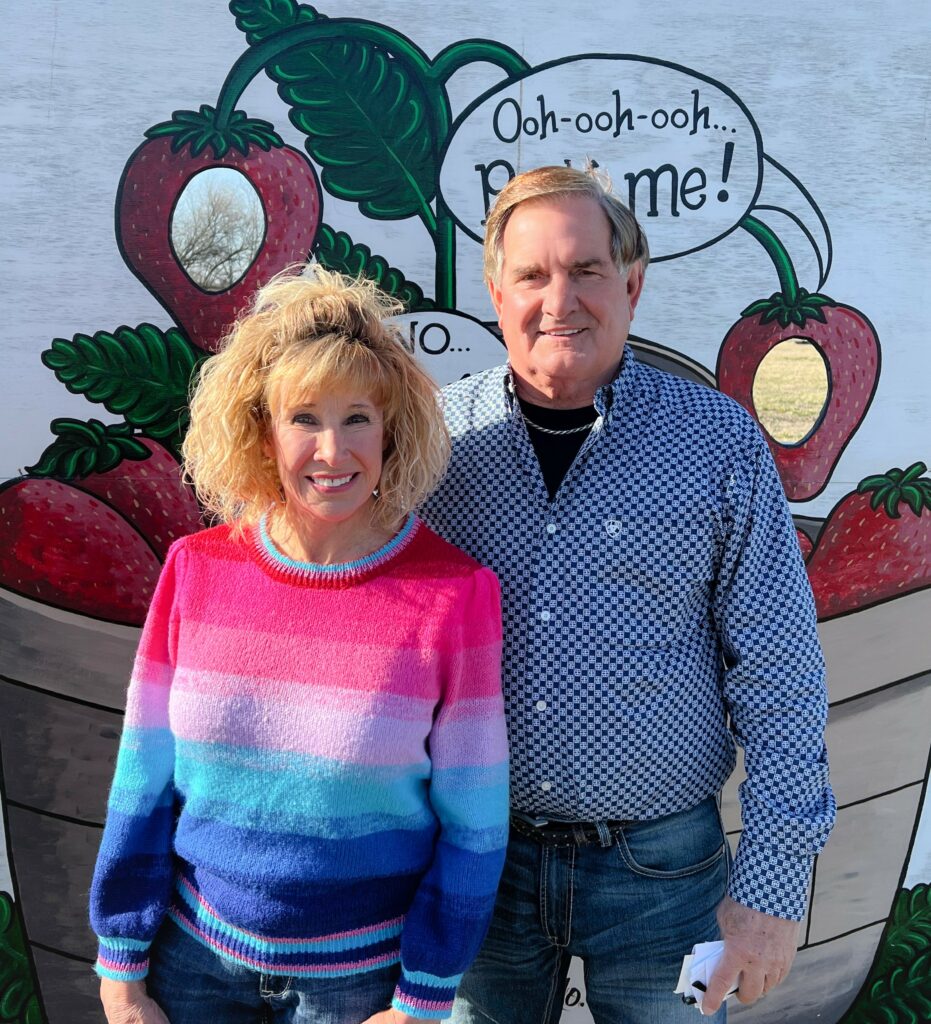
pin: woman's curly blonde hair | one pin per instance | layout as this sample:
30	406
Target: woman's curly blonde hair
308	334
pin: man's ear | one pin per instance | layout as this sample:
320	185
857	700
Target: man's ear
495	292
634	285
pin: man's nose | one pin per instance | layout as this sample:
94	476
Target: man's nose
560	298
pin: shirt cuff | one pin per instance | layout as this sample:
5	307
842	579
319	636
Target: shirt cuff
122	959
771	880
424	995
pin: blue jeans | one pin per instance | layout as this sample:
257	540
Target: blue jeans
631	910
195	986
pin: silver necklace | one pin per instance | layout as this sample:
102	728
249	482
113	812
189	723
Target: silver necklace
556	433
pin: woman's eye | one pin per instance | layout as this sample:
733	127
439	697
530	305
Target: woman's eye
304	418
358	417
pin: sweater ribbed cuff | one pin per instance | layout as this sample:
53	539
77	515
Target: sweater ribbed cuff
122	959
424	995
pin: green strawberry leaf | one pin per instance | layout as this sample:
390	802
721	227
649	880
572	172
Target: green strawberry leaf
18	1000
806	306
87	447
898	988
200	128
142	374
896	486
259	19
335	250
369	122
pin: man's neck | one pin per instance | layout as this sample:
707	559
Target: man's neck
556	393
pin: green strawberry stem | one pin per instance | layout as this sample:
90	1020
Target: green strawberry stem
472	51
791	304
432	77
897	486
776	251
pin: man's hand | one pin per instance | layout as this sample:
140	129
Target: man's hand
393	1016
758	950
127	1002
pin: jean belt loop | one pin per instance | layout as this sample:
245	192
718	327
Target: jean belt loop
578	834
604	834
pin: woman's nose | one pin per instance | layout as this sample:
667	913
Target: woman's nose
329	445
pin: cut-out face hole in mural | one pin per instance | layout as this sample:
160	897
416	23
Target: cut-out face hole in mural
217	228
790	390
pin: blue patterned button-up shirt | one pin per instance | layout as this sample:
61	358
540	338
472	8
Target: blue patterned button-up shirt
655	611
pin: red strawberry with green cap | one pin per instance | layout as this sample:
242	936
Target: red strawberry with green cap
875	544
157	173
67	548
133	474
846	340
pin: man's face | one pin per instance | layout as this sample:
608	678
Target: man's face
563	306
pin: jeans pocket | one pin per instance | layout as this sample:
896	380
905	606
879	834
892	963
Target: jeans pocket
674	846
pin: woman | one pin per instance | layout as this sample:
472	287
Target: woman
309	812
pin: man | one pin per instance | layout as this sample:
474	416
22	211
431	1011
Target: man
656	611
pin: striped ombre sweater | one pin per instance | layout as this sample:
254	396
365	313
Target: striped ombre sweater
312	777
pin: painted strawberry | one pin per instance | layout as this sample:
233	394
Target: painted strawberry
846	340
133	474
156	174
804	542
875	544
69	549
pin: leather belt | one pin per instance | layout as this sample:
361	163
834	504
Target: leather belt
567	833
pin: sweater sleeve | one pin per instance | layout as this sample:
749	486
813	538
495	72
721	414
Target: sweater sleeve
775	693
132	877
469	795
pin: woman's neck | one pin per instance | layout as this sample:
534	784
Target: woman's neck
324	543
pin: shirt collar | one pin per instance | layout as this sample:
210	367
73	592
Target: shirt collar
608	397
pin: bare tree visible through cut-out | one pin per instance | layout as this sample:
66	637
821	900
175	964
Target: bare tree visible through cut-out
217	228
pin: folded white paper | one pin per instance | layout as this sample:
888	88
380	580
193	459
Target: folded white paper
697	969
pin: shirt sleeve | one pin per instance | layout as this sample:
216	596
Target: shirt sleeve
132	877
469	795
774	689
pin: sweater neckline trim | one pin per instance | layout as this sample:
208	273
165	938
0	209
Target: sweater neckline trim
338	572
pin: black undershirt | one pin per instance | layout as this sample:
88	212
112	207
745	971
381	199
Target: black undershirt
555	453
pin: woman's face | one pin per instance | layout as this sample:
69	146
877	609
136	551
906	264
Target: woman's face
329	454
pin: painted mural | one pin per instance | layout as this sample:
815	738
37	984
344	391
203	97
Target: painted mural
378	124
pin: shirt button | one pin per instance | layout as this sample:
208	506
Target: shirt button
541	705
545	615
546	786
550	527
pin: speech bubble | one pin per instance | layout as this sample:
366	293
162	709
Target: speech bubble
449	346
682	149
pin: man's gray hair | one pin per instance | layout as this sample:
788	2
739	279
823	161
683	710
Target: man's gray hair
628	242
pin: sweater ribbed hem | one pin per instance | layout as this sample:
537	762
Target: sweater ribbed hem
336	955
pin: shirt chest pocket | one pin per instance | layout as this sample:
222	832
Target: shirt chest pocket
648	584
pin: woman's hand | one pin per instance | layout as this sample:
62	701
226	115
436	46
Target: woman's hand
393	1016
127	1002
